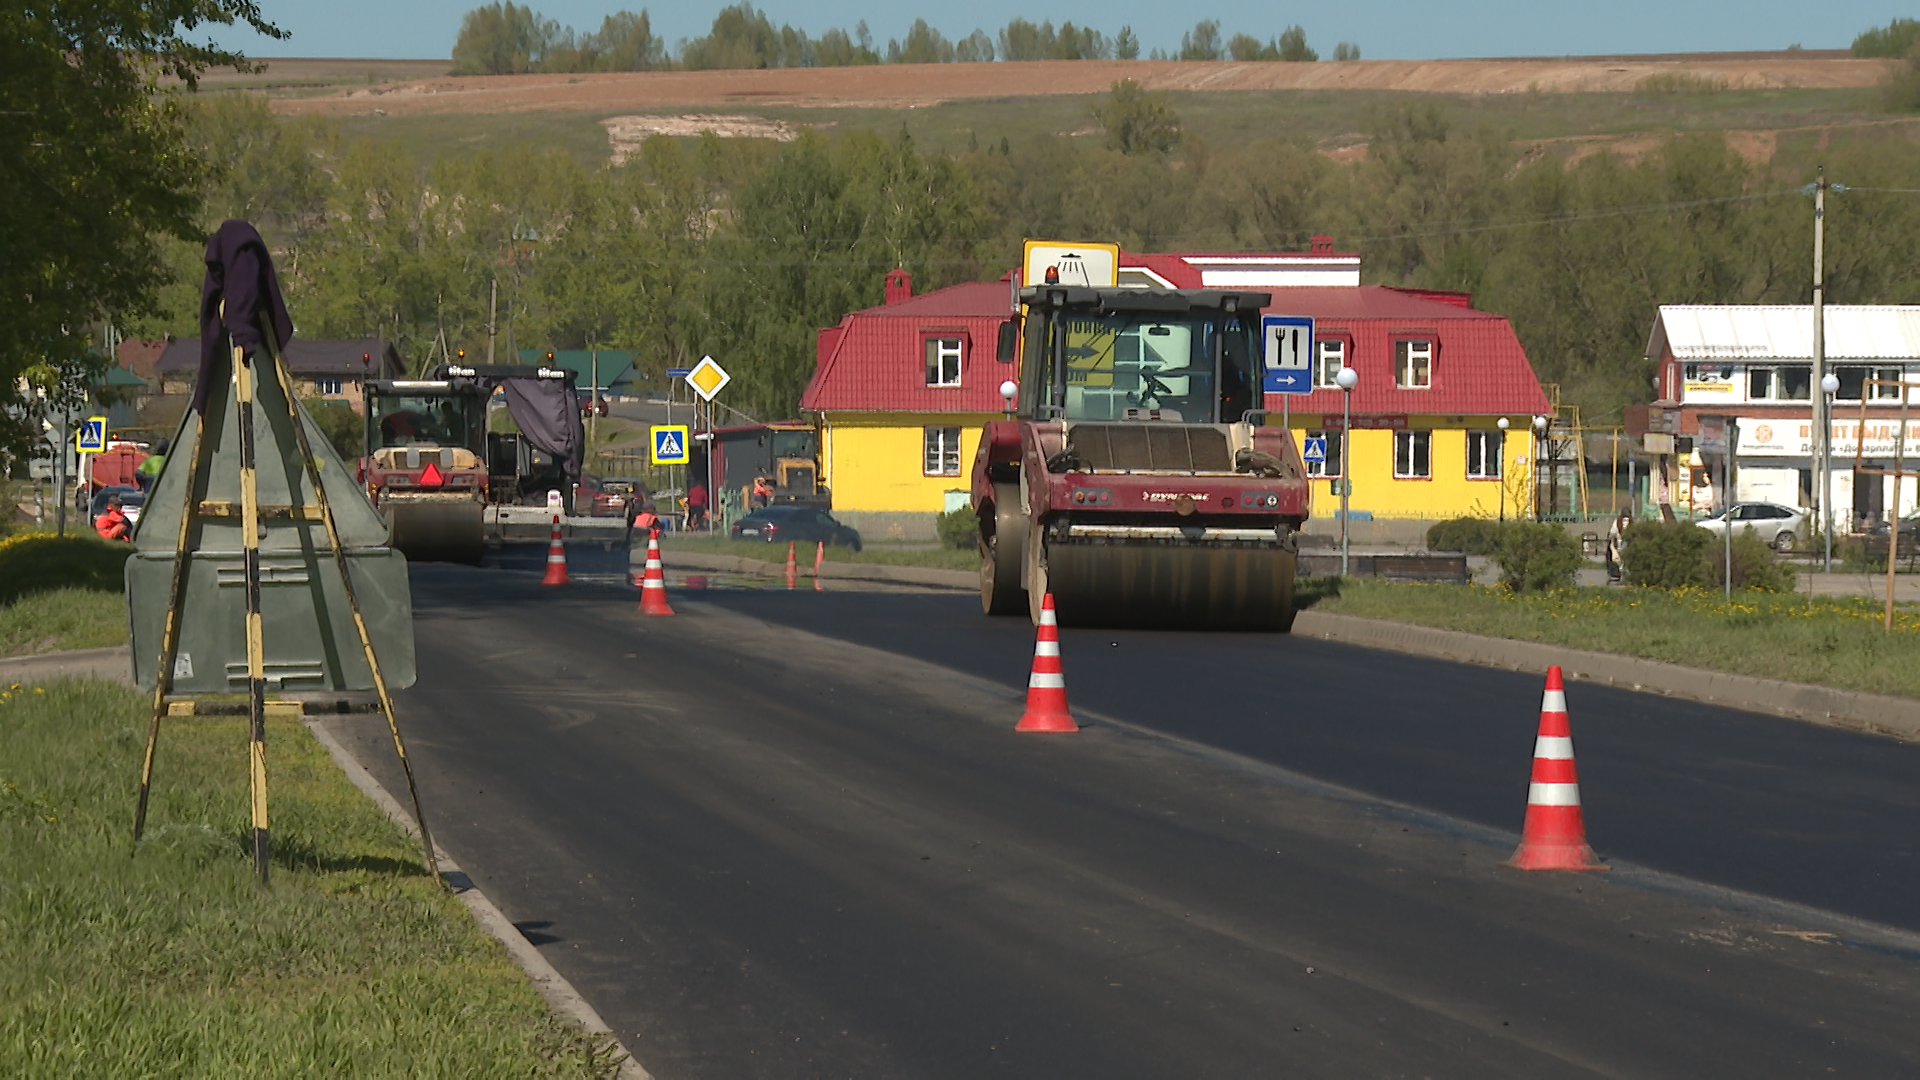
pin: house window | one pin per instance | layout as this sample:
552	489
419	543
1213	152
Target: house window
1793	382
1412	455
1853	382
325	386
1330	467
1327	362
1413	364
943	361
942	451
1484	452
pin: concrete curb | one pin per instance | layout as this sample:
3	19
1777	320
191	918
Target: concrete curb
900	575
1872	713
559	994
113	664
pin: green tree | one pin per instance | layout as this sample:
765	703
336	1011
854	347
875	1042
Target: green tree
1246	48
1294	47
1125	45
503	39
1892	41
975	48
1020	39
97	172
1138	121
924	45
1202	42
1346	50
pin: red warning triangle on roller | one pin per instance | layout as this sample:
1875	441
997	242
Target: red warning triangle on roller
431	476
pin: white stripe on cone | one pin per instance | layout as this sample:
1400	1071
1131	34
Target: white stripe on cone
1553	747
1554	701
1553	794
1046	648
1041	680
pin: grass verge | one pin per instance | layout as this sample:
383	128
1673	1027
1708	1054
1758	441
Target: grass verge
170	961
32	562
63	619
1837	641
942	558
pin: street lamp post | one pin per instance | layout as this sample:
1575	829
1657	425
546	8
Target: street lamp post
1347	379
1829	386
1539	433
1502	459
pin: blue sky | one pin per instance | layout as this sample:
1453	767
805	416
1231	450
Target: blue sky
1384	29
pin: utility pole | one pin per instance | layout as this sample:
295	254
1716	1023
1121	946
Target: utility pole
493	306
1823	416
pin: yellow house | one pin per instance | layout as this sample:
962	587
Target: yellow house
901	394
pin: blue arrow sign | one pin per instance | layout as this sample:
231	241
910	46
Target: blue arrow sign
1287	353
1316	449
679	372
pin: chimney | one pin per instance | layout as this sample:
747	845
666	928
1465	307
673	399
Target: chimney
899	286
1322	245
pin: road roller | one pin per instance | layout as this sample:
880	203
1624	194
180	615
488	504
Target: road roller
425	467
1134	476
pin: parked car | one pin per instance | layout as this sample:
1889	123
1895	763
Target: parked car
132	499
1875	537
617	497
797	523
591	405
1773	524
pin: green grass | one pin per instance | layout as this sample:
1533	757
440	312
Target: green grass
940	558
1220	119
170	961
33	562
63	619
1836	642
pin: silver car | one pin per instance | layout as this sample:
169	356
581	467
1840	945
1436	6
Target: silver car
1773	524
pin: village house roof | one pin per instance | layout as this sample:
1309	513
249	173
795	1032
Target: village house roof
874	360
1783	332
304	357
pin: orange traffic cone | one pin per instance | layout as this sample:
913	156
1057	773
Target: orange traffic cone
653	582
556	558
1555	835
793	574
819	557
1047	685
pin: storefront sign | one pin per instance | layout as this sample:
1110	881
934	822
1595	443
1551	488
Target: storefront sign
1364	423
1786	437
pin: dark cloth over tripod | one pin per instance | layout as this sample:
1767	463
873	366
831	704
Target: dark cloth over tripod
239	271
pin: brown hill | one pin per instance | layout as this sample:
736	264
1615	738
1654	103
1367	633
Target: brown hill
904	86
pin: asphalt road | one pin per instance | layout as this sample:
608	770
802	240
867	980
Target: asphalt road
793	835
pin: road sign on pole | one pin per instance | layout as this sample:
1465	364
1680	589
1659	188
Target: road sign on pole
1316	449
671	444
708	378
1287	342
679	372
91	438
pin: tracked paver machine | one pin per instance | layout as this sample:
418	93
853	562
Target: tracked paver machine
1134	477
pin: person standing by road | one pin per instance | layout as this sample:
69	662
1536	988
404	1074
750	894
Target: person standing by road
762	491
697	506
643	520
149	471
1617	546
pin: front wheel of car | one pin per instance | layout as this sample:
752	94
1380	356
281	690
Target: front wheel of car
1783	540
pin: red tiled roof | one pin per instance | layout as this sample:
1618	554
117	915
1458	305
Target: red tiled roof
139	355
1479	367
875	360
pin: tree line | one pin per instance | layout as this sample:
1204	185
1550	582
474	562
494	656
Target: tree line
745	248
504	38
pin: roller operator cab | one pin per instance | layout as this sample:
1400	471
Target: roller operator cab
1135	479
426	467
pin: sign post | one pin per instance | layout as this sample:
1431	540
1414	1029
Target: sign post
707	379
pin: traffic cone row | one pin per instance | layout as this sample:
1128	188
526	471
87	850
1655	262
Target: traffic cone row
819	557
793	573
556	557
1555	834
653	581
1047	683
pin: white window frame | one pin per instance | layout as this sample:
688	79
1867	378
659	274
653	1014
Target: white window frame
1411	439
1330	355
1405	352
940	451
329	384
1333	468
1492	438
944	357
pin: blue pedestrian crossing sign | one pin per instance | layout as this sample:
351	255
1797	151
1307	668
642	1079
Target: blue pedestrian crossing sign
670	444
1287	353
92	436
1316	449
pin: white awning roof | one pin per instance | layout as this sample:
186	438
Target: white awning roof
1784	332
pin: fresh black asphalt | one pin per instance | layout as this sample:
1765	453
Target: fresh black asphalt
794	835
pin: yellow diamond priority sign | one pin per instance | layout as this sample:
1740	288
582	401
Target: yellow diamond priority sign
708	378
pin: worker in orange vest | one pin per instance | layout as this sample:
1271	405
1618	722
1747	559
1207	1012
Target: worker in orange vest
645	520
112	523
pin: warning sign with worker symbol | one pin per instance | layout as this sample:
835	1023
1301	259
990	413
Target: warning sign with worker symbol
670	444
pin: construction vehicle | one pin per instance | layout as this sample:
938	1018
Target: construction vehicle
1134	477
787	452
430	466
